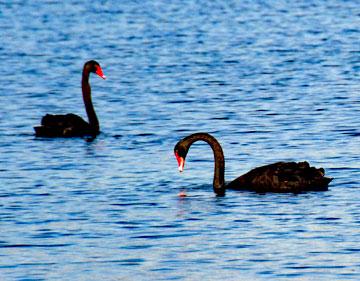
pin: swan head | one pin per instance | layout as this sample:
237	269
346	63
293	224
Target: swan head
94	67
180	155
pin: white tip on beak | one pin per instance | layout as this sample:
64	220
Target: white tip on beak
181	165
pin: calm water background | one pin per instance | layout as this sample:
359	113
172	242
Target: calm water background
272	80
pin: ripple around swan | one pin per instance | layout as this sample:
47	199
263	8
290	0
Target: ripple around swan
271	82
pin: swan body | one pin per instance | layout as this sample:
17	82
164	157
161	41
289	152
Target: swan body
277	177
71	125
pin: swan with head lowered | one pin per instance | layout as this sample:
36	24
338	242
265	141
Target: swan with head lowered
278	177
71	125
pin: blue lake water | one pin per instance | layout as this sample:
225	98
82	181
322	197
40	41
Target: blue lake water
271	80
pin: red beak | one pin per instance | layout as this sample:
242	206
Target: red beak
181	162
100	72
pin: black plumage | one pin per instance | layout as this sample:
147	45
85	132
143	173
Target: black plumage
71	125
278	177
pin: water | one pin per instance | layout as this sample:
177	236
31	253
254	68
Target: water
272	81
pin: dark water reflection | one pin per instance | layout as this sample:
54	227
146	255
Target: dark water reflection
271	82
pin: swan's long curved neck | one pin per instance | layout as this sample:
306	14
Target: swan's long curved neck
90	111
219	167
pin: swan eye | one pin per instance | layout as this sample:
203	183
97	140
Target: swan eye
180	151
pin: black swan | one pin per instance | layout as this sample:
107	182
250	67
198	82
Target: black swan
278	177
71	125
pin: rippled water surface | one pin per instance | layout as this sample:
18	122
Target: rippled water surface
272	80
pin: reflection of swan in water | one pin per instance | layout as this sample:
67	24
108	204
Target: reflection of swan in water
277	177
71	125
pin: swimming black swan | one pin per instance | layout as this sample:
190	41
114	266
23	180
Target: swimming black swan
278	177
71	125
